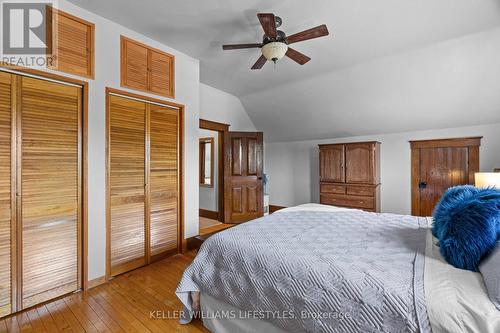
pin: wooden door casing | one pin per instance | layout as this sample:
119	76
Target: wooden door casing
7	191
332	163
441	164
49	184
163	180
243	188
127	184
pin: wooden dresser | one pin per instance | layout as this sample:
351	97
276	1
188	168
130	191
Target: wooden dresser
350	175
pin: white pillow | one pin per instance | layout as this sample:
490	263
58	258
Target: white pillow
490	269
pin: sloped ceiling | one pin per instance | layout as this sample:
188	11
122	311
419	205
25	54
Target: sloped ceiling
387	66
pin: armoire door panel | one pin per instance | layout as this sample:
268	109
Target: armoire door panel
126	183
49	121
360	163
5	192
332	162
163	179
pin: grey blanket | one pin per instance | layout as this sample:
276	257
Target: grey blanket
343	272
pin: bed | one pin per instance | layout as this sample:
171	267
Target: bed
315	268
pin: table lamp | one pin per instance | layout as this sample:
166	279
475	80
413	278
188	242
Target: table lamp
488	179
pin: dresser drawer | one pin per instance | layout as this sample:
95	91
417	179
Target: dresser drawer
348	201
365	191
331	188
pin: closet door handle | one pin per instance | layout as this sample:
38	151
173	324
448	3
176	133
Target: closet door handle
422	185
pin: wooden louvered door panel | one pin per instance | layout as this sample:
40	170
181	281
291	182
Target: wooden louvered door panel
126	181
163	180
73	44
134	65
161	68
49	152
6	198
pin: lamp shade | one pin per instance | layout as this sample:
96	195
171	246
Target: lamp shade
488	179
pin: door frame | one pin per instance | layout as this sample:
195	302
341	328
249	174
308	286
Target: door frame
82	251
472	143
181	241
221	129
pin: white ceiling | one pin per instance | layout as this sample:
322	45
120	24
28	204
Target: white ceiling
387	66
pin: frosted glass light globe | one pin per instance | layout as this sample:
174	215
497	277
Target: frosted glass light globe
274	51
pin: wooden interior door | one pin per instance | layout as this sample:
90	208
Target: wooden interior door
332	163
243	168
438	165
127	184
163	180
49	185
7	193
360	164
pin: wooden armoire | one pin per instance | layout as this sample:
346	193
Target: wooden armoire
350	175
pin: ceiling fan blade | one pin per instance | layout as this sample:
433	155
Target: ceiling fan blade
268	23
316	32
297	56
260	62
241	46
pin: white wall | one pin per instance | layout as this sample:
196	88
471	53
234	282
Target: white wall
209	195
219	106
293	167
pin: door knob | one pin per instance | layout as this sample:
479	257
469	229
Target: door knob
422	185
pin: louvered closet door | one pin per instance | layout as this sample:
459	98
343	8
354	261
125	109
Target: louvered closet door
49	121
163	180
126	184
5	192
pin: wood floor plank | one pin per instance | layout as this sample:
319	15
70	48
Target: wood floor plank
61	323
36	322
12	324
24	323
102	314
46	318
125	304
72	320
120	314
86	315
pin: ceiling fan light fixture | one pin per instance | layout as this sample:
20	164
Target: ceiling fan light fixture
274	51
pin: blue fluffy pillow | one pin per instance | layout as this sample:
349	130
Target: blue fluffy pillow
446	205
467	225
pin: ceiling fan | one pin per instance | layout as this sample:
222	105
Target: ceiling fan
275	42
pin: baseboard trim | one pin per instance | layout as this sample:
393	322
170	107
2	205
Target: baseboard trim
275	208
96	282
209	214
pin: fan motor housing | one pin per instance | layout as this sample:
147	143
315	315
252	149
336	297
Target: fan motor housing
280	37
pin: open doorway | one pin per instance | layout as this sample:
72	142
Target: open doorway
211	145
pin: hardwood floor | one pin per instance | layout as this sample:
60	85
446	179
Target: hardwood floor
138	301
206	222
